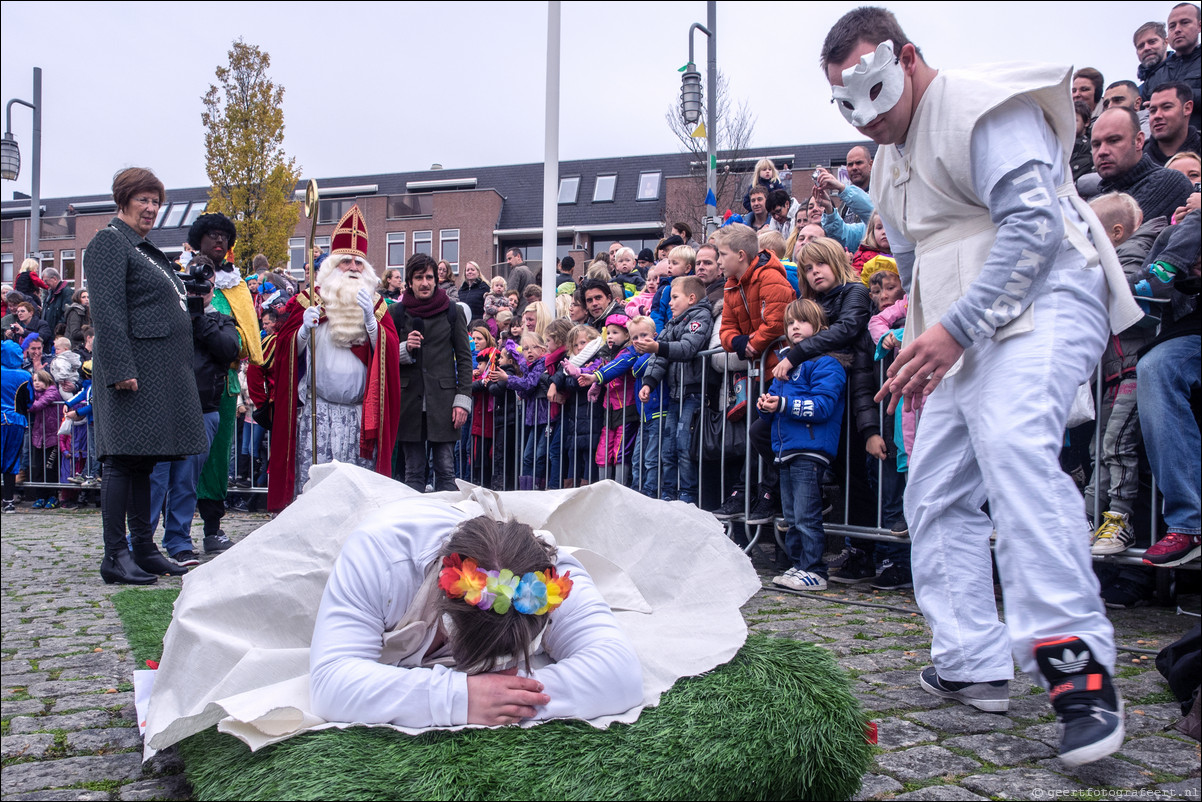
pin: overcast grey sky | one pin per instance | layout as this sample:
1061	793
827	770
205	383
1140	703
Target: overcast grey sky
383	87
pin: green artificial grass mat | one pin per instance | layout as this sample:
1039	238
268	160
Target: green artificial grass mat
145	614
776	722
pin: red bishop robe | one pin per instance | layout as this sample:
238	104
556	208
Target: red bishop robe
381	399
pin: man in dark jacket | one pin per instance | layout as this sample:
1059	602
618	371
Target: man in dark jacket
1119	159
54	298
28	322
436	375
216	344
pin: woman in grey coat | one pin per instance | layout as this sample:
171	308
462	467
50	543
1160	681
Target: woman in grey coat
143	391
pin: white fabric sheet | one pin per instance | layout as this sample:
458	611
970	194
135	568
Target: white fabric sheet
237	652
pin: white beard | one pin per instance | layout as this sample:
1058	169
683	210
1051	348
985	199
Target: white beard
337	291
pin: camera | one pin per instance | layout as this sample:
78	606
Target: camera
198	280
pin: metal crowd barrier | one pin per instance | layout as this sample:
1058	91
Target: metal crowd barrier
510	441
503	471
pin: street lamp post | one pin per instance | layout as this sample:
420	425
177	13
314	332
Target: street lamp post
690	107
10	159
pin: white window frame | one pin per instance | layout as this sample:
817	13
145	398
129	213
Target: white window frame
391	239
613	192
194	211
446	235
293	244
572	181
426	238
63	256
6	268
659	180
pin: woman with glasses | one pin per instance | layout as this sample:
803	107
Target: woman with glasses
143	389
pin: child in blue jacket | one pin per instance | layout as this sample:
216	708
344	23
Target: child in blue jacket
805	412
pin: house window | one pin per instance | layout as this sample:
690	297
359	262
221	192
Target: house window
296	254
448	247
175	216
6	268
66	265
410	205
423	242
331	211
649	186
158	221
603	192
194	212
46	261
568	189
396	249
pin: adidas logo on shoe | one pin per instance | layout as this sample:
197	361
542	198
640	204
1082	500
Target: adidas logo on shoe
1070	663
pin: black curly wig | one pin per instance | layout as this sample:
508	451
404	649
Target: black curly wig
208	222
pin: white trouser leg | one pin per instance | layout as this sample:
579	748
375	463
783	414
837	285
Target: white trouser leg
1048	583
1012	399
953	574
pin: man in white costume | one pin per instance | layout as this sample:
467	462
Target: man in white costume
1009	313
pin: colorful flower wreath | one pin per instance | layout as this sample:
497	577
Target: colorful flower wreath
534	593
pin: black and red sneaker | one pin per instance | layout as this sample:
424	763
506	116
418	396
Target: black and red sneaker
1086	702
1174	548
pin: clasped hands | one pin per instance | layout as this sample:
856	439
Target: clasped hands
502	697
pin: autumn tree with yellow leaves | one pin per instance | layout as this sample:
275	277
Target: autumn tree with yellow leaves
252	180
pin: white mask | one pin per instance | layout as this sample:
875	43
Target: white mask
879	69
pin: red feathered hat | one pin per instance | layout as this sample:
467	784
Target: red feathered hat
350	236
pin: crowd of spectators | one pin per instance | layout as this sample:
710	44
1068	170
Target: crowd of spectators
786	314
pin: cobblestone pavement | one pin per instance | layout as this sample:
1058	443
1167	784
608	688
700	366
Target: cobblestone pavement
69	729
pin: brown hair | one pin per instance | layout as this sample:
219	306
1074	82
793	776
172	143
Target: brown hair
1094	77
864	24
807	311
135	180
481	638
488	338
827	251
557	331
1158	27
690	285
44	377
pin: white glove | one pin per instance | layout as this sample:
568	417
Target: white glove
366	300
308	323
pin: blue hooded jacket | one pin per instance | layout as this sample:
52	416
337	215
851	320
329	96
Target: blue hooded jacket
11	377
810	414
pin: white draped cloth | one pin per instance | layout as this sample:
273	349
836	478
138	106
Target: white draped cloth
237	652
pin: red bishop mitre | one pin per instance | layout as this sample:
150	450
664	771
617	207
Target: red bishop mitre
350	235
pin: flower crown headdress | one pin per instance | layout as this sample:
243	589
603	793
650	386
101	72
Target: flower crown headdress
534	593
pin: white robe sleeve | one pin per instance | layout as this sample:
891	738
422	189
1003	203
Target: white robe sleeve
596	670
367	589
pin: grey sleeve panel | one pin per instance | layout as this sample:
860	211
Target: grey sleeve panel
1024	207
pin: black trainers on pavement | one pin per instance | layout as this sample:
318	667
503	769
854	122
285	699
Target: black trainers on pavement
217	543
840	560
1086	702
186	558
732	507
765	509
991	697
857	568
893	577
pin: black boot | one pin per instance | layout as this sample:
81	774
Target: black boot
119	568
151	560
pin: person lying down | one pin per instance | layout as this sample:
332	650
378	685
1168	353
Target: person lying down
440	620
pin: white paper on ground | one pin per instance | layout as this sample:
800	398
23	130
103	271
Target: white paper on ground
236	653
